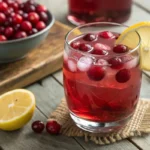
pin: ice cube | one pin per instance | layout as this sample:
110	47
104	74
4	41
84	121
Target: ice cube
102	46
72	64
102	62
84	63
132	63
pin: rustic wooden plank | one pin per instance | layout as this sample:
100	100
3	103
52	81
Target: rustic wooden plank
25	139
58	76
144	4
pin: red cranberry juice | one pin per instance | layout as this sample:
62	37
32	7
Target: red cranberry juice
84	11
103	87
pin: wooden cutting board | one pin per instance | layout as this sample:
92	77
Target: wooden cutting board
42	61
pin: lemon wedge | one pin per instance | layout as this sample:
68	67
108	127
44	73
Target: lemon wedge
130	38
16	109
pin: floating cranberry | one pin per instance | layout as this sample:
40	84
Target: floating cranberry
38	126
116	63
75	45
33	17
2	18
20	34
85	47
90	37
40	25
3	38
3	6
99	52
2	29
9	11
17	19
41	8
96	72
29	8
33	31
26	26
9	31
106	34
123	75
44	17
120	48
53	127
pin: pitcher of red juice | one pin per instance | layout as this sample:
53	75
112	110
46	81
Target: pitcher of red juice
85	11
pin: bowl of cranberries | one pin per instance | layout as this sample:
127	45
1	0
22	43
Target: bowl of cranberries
23	26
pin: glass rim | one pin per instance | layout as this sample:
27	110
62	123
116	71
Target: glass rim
96	23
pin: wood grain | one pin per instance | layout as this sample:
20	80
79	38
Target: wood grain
42	61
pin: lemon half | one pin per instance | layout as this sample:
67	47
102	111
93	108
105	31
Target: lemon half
16	109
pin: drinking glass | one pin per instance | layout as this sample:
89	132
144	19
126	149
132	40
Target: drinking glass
85	11
103	102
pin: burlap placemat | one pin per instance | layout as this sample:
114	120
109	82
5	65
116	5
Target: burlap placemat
139	124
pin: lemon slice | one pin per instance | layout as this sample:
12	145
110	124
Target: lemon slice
130	38
16	109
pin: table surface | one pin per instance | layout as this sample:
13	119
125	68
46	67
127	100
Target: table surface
49	92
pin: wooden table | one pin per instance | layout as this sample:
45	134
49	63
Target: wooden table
49	92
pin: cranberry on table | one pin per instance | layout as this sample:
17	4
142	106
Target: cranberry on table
2	18
38	126
3	38
106	34
53	127
90	37
120	48
3	6
40	25
123	75
75	45
43	16
85	47
20	34
26	26
33	17
9	31
116	63
96	72
41	8
17	19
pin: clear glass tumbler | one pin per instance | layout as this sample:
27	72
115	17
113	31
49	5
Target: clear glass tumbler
85	11
101	89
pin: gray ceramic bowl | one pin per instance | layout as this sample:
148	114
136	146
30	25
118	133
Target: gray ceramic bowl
16	49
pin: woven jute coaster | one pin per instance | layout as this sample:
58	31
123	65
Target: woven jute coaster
138	125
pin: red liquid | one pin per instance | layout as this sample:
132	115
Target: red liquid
85	11
106	100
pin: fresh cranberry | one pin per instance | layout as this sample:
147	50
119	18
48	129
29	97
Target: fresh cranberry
53	127
33	31
40	25
9	11
30	2
15	6
89	37
2	29
17	19
3	38
20	34
85	47
2	18
41	8
22	6
75	45
26	26
12	14
3	6
116	63
29	8
9	31
33	17
16	27
20	12
123	75
25	16
120	48
99	52
8	22
106	34
38	126
96	72
44	17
